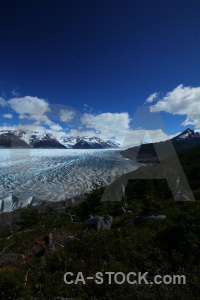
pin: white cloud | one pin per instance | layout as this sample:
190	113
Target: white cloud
32	108
115	126
3	102
56	127
30	127
66	115
9	116
175	134
106	122
35	109
129	138
181	101
137	137
151	98
108	125
55	133
104	125
75	132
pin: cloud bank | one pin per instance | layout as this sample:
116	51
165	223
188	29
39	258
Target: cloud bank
181	101
38	114
108	125
32	108
141	136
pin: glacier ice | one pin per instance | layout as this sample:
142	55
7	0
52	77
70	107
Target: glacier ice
38	175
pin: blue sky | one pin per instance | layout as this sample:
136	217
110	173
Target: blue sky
95	62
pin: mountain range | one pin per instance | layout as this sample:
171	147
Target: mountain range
34	139
148	152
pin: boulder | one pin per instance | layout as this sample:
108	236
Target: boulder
145	218
98	223
41	247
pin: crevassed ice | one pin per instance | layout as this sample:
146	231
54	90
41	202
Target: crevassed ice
38	175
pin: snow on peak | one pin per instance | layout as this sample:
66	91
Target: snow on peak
187	134
32	137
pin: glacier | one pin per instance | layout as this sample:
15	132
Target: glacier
35	176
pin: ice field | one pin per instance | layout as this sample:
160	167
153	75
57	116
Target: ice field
37	175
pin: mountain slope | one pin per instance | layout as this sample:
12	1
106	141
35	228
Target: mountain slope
186	135
11	141
94	143
28	139
48	143
147	153
35	139
86	142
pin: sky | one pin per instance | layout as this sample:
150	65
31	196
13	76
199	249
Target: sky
74	67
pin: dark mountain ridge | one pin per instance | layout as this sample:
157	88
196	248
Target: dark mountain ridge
11	141
154	152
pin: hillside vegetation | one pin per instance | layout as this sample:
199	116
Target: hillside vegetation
165	247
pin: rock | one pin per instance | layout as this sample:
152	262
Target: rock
98	223
41	247
145	218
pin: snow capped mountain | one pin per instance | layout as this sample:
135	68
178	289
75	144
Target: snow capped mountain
70	142
113	144
26	138
26	135
9	140
36	139
147	153
86	142
186	135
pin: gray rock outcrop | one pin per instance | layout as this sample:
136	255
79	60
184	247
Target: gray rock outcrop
98	223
